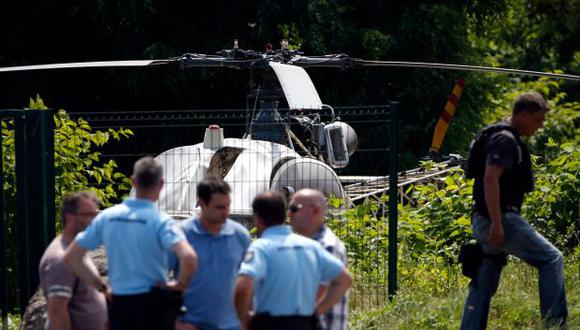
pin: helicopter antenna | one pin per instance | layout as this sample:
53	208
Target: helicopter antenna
254	110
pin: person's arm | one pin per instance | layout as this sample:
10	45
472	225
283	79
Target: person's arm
492	198
74	259
335	291
58	315
187	265
243	298
321	292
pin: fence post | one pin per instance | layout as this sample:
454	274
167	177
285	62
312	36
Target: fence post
3	286
34	139
393	181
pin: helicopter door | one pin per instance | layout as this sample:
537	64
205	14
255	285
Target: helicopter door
337	152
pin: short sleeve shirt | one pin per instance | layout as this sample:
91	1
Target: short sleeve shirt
337	317
287	270
501	150
504	149
87	307
137	239
210	295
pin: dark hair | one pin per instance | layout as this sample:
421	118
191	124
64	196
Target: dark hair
71	202
147	172
270	206
211	185
530	101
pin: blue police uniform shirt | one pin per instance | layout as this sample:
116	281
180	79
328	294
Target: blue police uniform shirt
287	270
137	238
210	296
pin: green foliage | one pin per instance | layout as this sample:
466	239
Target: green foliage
537	35
434	221
78	166
78	163
553	205
365	236
513	307
562	121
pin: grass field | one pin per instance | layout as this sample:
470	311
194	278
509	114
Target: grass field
515	306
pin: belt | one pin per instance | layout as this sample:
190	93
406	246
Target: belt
267	321
505	209
511	208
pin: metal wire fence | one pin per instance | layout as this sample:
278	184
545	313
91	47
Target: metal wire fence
343	152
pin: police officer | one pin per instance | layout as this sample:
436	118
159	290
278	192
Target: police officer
137	238
498	195
283	272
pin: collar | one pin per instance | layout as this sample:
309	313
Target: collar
320	234
227	228
138	202
277	230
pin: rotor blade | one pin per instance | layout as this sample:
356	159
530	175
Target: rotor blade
102	64
446	116
463	67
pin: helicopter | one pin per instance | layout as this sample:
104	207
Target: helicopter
281	150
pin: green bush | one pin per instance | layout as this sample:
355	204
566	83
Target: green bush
78	166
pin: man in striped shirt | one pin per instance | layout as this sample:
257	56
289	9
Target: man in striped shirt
307	209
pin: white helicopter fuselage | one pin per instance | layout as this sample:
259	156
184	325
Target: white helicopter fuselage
248	166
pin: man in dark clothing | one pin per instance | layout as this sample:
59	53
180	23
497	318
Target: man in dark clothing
497	224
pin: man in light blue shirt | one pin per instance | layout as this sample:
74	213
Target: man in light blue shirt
283	272
137	238
220	244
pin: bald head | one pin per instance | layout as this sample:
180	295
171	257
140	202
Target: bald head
312	196
307	209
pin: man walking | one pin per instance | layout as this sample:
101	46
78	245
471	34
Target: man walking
283	271
220	244
505	176
307	210
72	304
137	238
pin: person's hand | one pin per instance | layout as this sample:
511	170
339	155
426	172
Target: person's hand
246	321
496	236
173	285
105	289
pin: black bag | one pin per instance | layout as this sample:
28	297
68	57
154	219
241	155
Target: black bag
474	166
470	257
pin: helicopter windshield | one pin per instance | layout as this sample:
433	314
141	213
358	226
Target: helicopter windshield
298	87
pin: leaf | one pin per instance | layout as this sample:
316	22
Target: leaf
449	180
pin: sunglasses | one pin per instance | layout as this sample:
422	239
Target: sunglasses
297	207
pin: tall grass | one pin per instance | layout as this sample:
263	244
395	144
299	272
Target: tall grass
515	306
